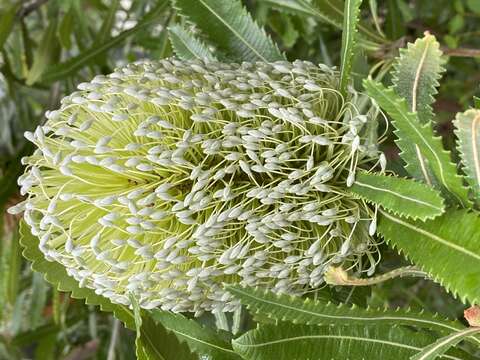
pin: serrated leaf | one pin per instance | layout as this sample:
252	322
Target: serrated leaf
69	67
56	275
447	248
282	307
416	74
467	129
354	342
418	143
229	26
153	341
404	197
187	46
349	33
441	346
200	339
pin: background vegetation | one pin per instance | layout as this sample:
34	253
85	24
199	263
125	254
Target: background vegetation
49	46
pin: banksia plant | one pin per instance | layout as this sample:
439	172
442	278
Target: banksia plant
168	179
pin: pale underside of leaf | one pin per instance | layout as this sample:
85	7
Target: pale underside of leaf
411	133
229	26
417	72
467	129
447	248
404	197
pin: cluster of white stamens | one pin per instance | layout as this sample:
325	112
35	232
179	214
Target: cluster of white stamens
167	179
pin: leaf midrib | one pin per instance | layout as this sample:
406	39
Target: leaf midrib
201	341
432	236
232	30
398	195
320	315
415	129
341	337
448	339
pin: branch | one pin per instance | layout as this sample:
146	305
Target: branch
30	7
462	52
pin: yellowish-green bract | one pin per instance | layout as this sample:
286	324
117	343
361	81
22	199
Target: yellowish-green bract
168	179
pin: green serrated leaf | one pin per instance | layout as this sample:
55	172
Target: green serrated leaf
153	341
441	346
447	248
416	74
349	34
56	275
229	26
187	46
467	129
69	67
282	307
200	339
418	142
404	197
356	342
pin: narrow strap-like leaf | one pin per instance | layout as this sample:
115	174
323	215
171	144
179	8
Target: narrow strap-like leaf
442	345
404	197
350	20
7	21
447	248
418	142
44	54
229	26
56	275
302	342
187	46
202	340
69	67
325	11
467	129
282	307
416	75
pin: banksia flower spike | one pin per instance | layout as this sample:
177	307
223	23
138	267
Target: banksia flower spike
168	179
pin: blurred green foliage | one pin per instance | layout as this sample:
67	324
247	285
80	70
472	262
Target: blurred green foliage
49	46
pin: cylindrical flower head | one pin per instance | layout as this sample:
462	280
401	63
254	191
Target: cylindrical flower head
168	179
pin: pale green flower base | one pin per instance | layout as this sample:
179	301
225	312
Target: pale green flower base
167	179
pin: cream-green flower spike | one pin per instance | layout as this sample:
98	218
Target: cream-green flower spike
167	179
